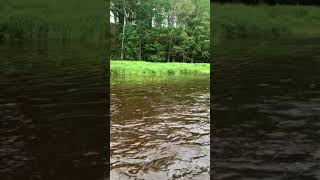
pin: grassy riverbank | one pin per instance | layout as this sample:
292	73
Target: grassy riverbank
53	19
153	68
237	20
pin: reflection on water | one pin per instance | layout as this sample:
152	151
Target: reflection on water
160	127
267	109
52	112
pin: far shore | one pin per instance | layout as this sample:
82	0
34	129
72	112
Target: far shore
158	68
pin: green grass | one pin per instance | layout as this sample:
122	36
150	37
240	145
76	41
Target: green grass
154	68
53	19
237	20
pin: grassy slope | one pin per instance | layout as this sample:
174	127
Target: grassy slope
148	68
53	19
237	20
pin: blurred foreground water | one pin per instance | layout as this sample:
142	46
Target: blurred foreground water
266	109
52	111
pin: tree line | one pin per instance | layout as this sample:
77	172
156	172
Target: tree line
161	30
271	2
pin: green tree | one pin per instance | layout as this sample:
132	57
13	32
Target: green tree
162	30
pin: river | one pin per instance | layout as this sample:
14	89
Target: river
53	100
266	109
160	127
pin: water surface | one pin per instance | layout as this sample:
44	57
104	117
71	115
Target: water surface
266	109
52	111
160	127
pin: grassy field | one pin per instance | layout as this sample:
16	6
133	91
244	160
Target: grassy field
237	20
53	19
152	68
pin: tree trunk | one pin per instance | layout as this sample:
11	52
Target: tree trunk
182	57
123	30
140	53
169	50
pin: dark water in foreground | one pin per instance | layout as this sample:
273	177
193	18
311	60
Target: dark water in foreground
266	109
160	127
52	112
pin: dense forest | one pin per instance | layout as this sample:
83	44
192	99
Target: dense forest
72	20
240	20
271	2
161	30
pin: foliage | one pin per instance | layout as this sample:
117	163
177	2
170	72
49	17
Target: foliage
238	20
162	30
53	19
148	68
272	2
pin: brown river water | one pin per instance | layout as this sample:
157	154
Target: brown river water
266	109
52	111
160	127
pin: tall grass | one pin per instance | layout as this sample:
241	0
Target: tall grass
237	20
152	68
53	19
